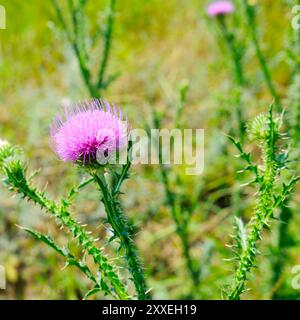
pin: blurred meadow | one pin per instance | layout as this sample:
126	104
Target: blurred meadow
157	48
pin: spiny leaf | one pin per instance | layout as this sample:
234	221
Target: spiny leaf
91	292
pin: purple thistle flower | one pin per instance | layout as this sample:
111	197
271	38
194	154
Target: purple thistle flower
88	130
218	8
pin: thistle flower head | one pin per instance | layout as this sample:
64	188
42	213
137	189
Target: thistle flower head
218	8
259	129
87	131
7	151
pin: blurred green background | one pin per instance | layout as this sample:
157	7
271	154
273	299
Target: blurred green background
156	45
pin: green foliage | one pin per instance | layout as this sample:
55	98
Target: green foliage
63	251
264	130
17	181
6	152
251	15
120	225
181	214
78	39
239	237
294	109
179	223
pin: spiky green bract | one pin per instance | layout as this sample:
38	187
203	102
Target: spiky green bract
16	179
264	130
120	225
6	151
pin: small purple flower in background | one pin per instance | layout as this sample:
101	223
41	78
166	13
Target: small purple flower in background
88	130
218	8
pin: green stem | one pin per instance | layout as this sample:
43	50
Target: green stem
181	228
238	71
73	40
183	89
250	13
284	239
70	259
263	211
247	260
76	37
235	54
123	231
296	47
107	43
17	181
193	271
180	223
284	242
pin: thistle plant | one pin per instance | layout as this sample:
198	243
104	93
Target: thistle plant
293	49
181	213
88	135
250	10
17	179
91	134
265	131
220	10
82	44
293	56
284	241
